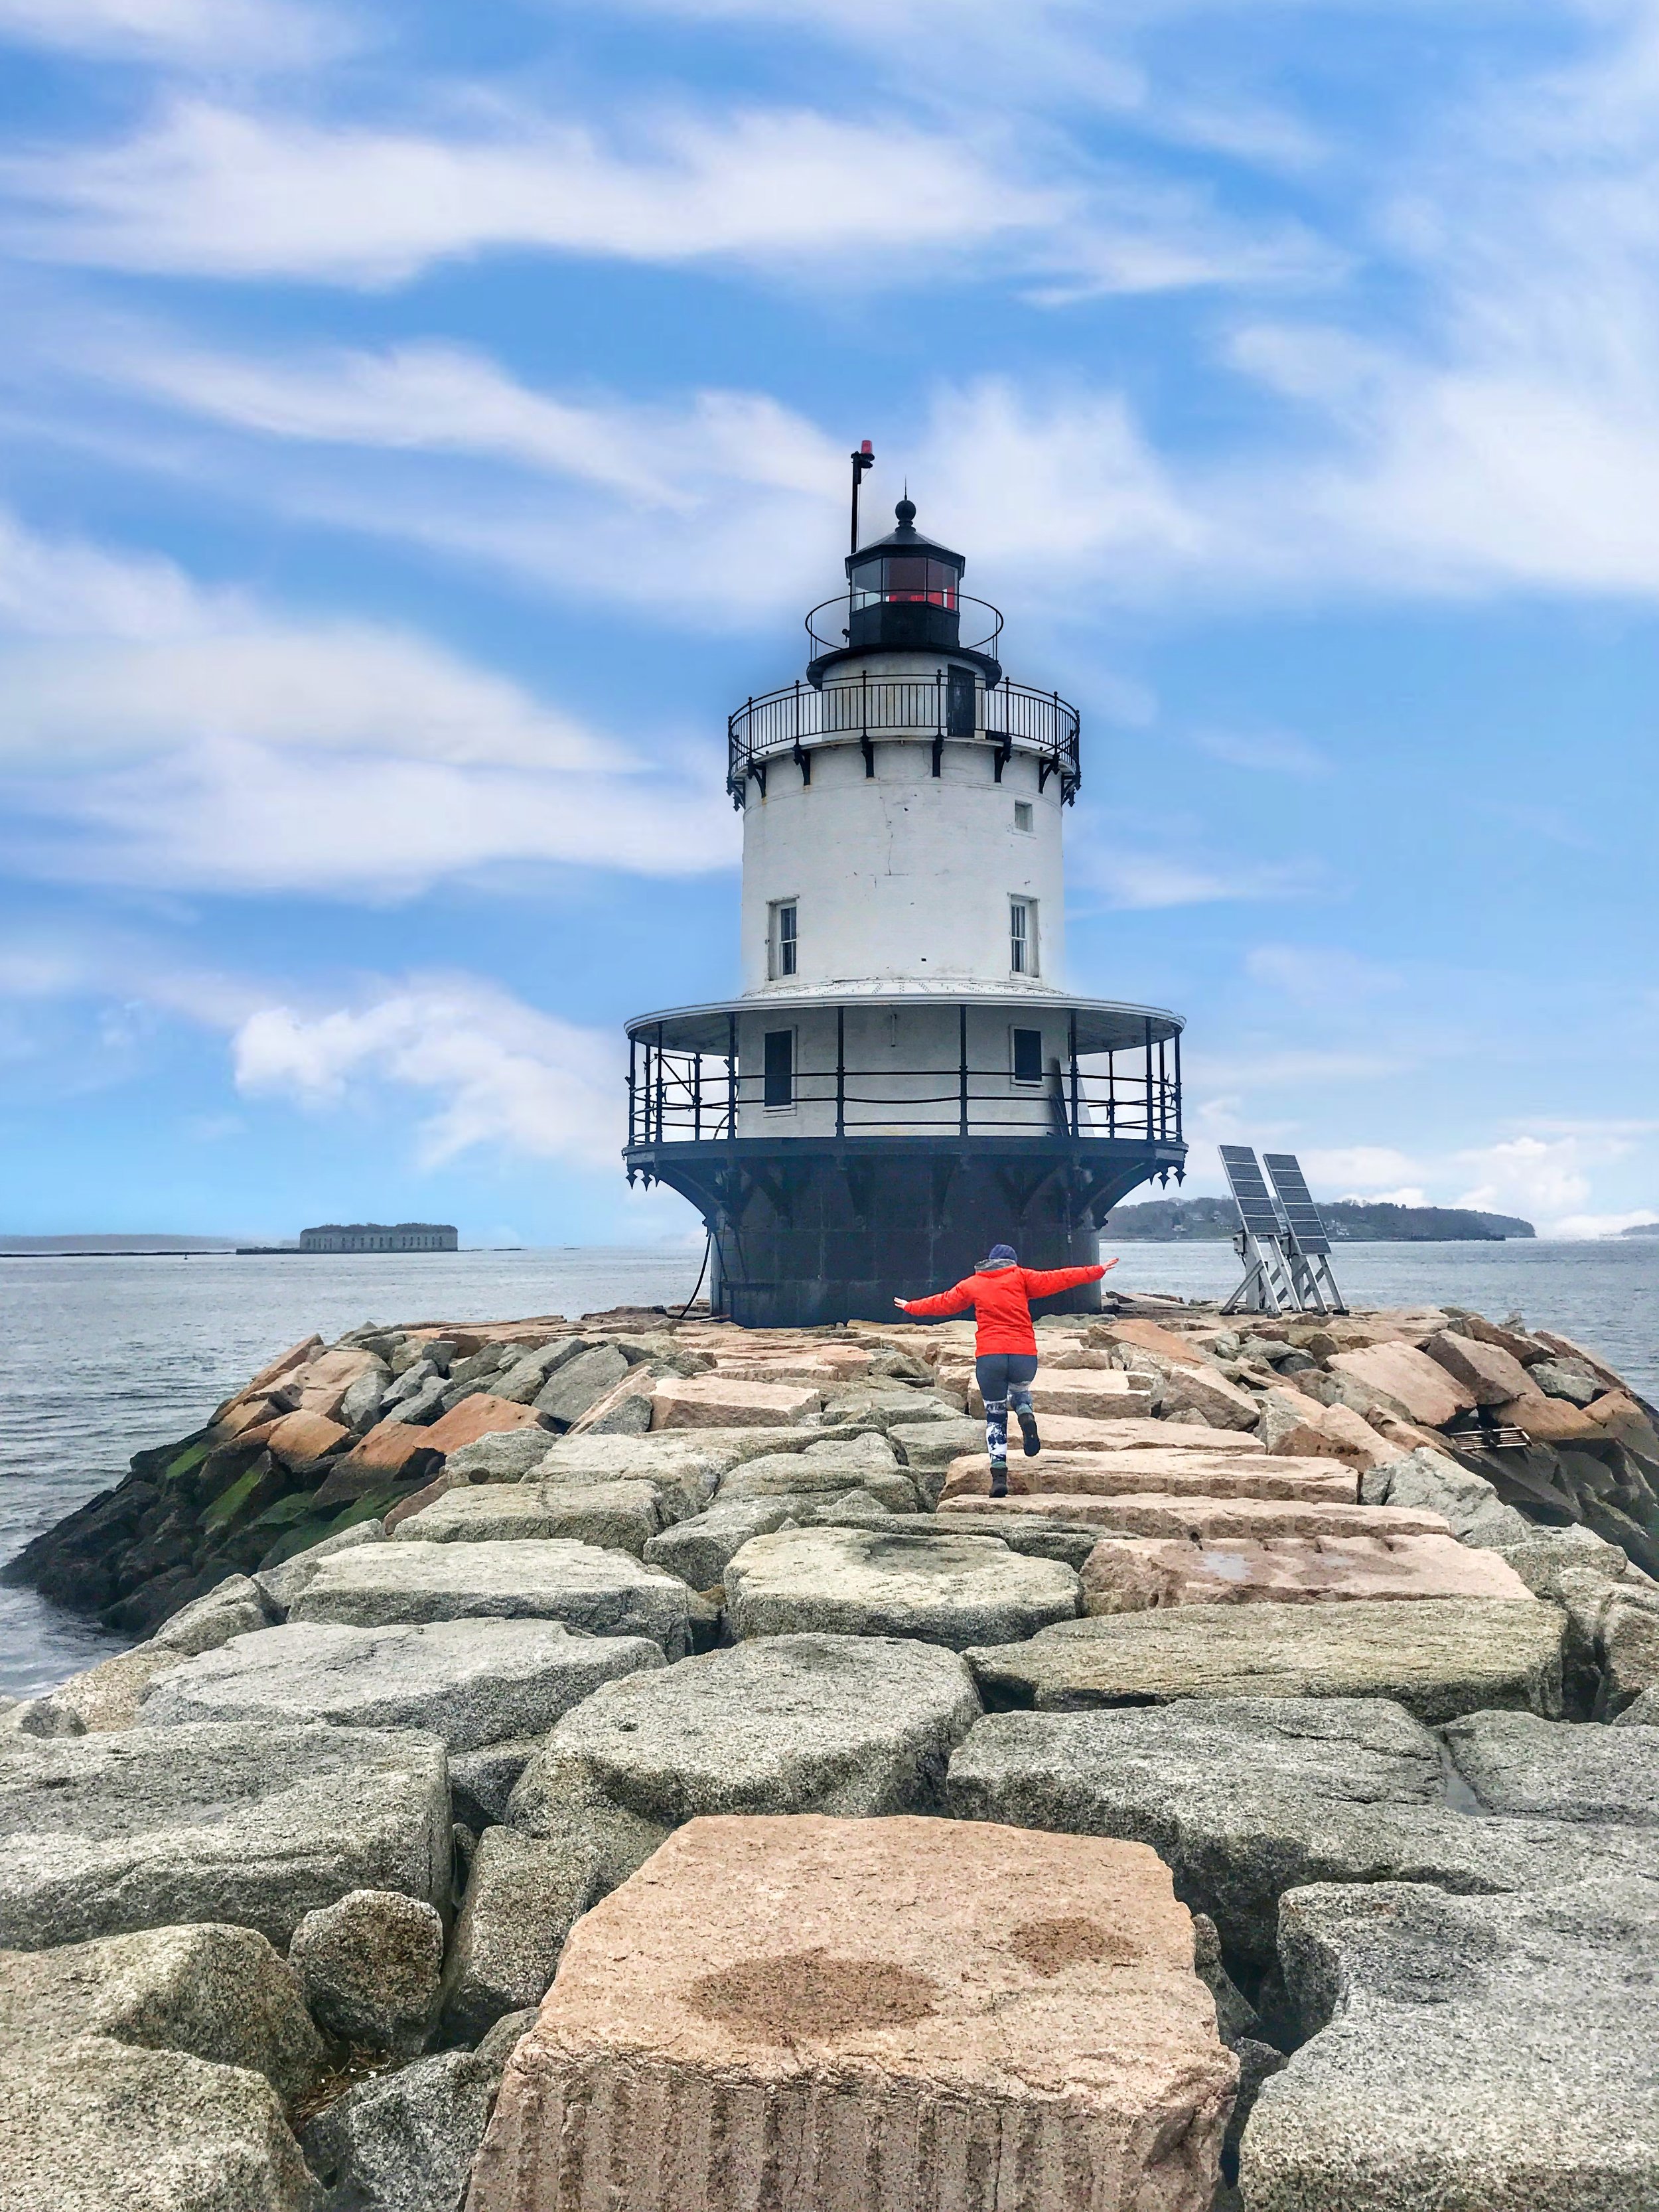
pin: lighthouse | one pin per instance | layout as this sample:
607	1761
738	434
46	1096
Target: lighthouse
905	1080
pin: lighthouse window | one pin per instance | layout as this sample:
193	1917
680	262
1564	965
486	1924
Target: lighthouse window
1022	814
783	939
780	1077
1027	1055
1023	936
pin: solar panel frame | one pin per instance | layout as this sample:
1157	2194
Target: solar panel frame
1250	1193
1307	1223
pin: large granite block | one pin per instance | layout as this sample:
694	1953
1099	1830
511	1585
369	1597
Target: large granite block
1439	1658
842	1724
471	1682
606	1593
251	1824
848	2014
618	1517
1492	2052
1173	1473
94	2125
1131	1574
215	1992
1206	1518
940	1589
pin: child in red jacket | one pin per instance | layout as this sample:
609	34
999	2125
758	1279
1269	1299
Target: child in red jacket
1005	1345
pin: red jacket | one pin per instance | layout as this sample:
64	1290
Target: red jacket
1001	1300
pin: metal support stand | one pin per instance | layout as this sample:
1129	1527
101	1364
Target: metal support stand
1267	1286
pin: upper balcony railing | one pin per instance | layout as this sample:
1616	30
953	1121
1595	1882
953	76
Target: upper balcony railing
950	704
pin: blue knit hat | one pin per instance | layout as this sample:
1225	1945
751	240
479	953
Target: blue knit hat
1002	1255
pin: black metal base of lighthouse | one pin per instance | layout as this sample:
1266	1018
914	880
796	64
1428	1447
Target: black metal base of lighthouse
808	1231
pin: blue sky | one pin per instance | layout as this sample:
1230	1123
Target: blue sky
419	426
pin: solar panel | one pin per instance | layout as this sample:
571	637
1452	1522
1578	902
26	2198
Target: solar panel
1250	1189
1306	1224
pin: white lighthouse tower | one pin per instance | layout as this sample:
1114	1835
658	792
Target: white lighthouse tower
905	1080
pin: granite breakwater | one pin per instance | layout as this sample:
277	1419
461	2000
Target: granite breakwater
635	1759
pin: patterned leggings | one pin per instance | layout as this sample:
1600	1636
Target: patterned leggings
1005	1379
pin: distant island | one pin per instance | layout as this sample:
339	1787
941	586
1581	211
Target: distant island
1212	1220
1641	1229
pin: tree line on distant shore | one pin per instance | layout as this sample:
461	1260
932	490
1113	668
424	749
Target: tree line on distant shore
1173	1220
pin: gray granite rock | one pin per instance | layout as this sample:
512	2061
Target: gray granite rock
1236	2017
1035	1535
481	1781
1539	1555
1629	1644
567	1394
404	2142
620	1516
1517	1764
523	1894
850	1508
281	1585
503	1456
217	1993
558	1801
471	1682
797	1474
1439	1658
1435	1484
254	1824
105	1697
699	1549
235	1608
954	1590
419	1407
849	1725
360	1408
606	1593
685	1465
521	1380
927	1448
1564	1378
1246	1798
1642	1712
1492	2052
877	1410
369	1967
94	2125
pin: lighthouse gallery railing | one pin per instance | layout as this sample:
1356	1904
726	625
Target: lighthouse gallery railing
783	724
1130	1096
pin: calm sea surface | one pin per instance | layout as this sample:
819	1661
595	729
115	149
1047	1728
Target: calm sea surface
104	1355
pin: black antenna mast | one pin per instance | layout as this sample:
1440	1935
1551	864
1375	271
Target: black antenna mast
864	458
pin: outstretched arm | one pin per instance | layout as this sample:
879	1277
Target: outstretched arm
954	1300
1044	1282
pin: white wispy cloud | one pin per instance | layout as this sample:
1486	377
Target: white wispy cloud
153	732
492	1075
500	1076
240	33
213	191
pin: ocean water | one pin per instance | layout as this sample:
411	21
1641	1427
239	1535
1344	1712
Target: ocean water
105	1355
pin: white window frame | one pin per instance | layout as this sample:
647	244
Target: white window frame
1025	816
1023	950
776	972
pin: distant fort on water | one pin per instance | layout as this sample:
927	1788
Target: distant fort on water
367	1236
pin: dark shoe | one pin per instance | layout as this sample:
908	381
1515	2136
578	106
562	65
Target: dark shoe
1028	1429
999	1482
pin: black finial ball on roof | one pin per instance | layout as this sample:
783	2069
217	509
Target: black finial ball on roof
906	512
